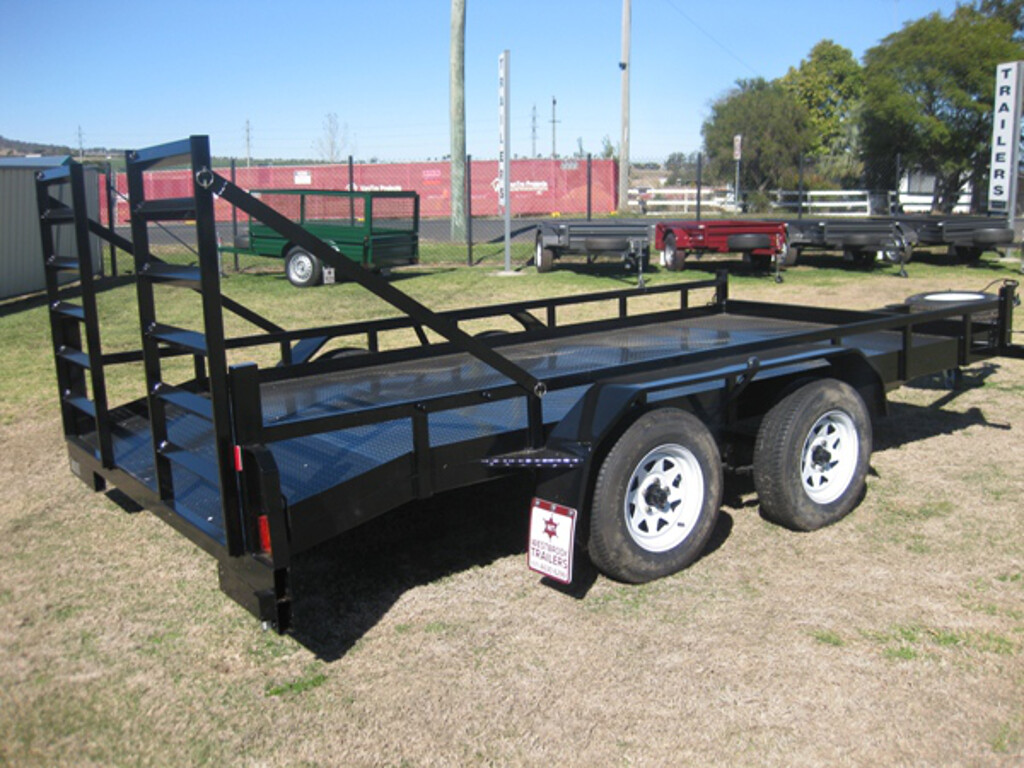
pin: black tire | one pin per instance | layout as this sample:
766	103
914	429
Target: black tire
606	245
759	262
859	259
811	456
674	260
924	302
302	268
993	236
790	256
342	352
966	254
859	240
543	258
748	242
641	530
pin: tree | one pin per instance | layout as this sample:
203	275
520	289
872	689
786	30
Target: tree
829	83
1010	11
457	117
776	130
331	145
928	97
681	167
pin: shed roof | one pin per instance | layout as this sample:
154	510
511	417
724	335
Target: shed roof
52	161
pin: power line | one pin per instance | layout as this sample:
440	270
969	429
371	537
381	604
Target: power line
710	37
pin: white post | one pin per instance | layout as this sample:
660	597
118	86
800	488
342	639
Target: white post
624	138
504	125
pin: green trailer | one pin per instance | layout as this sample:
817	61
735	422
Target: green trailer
377	230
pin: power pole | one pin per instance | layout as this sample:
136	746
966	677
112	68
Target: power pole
554	123
81	144
457	119
624	142
248	145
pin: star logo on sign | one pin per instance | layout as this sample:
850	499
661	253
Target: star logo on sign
550	528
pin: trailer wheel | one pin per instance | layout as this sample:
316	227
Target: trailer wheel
543	258
811	455
759	262
656	498
748	241
303	268
966	254
670	256
993	236
791	256
606	244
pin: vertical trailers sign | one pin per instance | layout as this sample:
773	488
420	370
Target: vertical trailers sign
1002	189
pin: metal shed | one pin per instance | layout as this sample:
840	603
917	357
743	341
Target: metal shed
21	270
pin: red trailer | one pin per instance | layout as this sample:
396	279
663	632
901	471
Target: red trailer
760	242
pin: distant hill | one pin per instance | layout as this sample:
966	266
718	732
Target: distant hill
14	147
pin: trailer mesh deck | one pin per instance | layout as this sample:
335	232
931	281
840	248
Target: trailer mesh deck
310	465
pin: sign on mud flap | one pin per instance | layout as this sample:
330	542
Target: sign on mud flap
552	532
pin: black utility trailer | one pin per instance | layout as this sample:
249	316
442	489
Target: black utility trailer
861	241
625	424
966	237
628	240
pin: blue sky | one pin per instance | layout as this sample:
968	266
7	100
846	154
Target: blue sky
136	73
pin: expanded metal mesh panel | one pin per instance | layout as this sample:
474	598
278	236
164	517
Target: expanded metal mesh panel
195	499
310	465
332	393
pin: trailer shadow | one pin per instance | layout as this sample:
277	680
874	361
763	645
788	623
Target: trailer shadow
348	585
73	292
907	423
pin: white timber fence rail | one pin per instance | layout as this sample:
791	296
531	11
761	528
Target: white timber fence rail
661	200
857	202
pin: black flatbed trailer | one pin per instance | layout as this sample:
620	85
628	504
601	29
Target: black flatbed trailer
624	423
859	240
966	237
628	240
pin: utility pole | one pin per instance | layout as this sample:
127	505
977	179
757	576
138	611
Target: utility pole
624	142
81	144
457	119
248	144
554	123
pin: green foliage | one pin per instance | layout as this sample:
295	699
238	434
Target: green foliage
776	130
830	83
1009	11
928	95
682	168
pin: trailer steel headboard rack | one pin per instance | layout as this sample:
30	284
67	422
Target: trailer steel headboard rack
256	464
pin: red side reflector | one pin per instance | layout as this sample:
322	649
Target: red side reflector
263	524
238	458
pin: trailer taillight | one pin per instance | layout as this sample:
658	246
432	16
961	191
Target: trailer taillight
263	526
238	458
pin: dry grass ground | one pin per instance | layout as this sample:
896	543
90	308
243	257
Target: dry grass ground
895	637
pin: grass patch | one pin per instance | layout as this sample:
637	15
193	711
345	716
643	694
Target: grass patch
828	637
1007	739
297	686
905	642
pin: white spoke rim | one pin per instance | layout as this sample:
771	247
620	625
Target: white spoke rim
828	460
664	497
